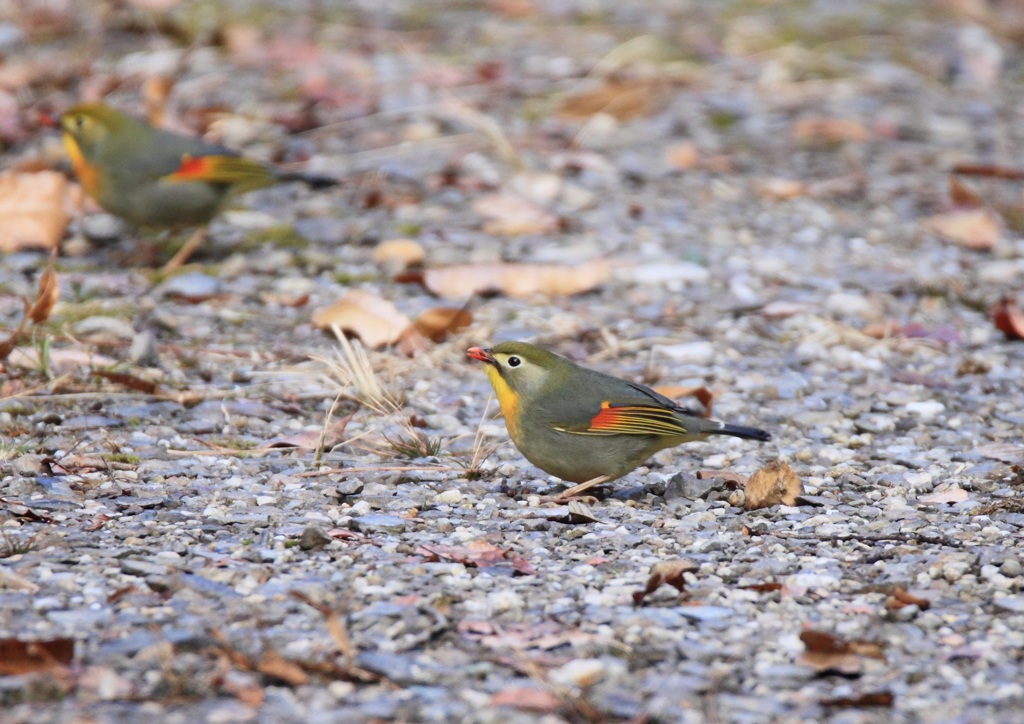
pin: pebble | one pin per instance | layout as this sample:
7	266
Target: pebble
453	496
696	353
378	524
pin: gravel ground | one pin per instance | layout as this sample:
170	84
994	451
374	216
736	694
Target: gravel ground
766	187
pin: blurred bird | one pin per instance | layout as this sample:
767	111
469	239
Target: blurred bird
584	426
156	178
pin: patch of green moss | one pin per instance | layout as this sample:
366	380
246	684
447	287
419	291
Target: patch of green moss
120	457
409	229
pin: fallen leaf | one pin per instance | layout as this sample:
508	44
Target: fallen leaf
830	130
670	572
132	382
702	394
780	309
1007	452
873	698
900	599
439	323
526	699
510	214
478	554
377	322
514	280
773	484
989	170
310	439
1008	317
623	99
827	653
398	254
780	189
247	692
28	657
37	311
733	480
764	587
49	292
274	665
35	209
890	329
682	156
973	228
953	495
962	195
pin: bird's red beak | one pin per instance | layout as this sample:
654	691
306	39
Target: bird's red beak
484	355
49	120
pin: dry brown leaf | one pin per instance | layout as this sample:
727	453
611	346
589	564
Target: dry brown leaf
973	228
49	292
733	479
873	698
825	652
773	484
310	439
702	394
398	254
1008	317
35	209
377	322
623	99
509	214
764	587
682	156
900	599
989	170
28	657
1008	452
439	323
953	495
963	195
155	91
670	572
514	280
479	554
146	387
830	129
526	699
780	189
277	666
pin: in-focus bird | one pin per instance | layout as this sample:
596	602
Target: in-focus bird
152	177
582	425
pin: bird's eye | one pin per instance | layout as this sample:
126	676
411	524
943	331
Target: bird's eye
79	121
514	362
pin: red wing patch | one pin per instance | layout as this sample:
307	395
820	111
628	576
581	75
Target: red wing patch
193	168
233	170
634	420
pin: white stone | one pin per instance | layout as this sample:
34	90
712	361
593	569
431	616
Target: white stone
925	409
450	497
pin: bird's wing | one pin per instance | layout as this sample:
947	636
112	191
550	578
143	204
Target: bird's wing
630	418
222	169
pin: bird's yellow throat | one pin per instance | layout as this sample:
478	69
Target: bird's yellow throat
508	400
87	175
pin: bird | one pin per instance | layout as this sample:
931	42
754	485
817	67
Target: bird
152	177
584	426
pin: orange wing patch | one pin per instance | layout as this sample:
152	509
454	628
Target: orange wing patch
633	420
233	170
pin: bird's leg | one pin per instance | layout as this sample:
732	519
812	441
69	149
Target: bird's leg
581	488
186	250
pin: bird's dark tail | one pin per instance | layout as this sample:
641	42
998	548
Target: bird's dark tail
314	181
747	433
